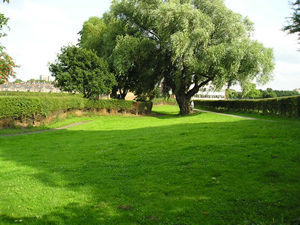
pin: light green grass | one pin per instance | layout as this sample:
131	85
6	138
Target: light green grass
198	169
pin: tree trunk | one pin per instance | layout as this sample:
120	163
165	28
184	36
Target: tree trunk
114	93
184	104
123	94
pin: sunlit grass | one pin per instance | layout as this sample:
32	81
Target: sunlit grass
166	169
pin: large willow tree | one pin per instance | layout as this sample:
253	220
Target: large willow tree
189	44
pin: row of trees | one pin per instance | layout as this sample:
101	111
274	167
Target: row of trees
258	94
7	64
184	45
19	81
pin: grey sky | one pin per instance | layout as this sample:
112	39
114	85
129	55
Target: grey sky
39	28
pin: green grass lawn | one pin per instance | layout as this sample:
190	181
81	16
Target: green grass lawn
161	169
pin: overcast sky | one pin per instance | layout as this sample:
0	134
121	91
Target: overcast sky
39	28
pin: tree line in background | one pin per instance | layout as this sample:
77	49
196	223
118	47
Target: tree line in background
259	94
180	45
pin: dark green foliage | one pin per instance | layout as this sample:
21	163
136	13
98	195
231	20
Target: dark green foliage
259	94
109	104
269	93
231	94
294	21
287	106
286	93
131	59
30	106
198	43
81	70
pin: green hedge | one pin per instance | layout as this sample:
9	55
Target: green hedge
29	106
286	106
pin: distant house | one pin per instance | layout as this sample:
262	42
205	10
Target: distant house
298	90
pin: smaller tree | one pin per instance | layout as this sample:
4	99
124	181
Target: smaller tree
269	93
81	70
231	94
250	91
18	81
7	66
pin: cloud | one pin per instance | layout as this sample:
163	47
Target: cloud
269	16
38	31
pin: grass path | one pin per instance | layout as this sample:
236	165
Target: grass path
163	170
224	114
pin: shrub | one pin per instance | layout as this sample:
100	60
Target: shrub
286	106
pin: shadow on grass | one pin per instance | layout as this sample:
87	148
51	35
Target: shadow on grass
168	115
201	173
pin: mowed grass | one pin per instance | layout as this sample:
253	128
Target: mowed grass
162	169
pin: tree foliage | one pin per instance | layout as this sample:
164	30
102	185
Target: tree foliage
130	56
250	91
81	70
7	64
198	43
18	81
293	26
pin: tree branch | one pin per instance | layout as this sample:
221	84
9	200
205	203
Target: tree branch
197	86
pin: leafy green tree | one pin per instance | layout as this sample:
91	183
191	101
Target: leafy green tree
231	94
81	70
7	64
269	93
294	21
285	93
131	57
250	91
133	63
18	81
198	43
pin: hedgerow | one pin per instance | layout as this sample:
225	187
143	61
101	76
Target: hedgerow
286	106
31	106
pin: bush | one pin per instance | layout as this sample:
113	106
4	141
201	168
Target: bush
109	104
286	107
